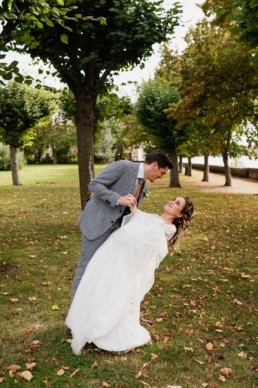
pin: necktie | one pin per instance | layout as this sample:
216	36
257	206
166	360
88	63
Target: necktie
138	189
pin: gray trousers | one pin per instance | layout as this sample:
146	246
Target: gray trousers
88	248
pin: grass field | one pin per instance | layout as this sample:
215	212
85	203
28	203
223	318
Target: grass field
201	312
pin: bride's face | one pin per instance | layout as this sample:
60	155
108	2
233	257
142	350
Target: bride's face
175	207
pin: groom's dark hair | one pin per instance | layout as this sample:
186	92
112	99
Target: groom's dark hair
160	157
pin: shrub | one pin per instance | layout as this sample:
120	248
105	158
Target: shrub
5	161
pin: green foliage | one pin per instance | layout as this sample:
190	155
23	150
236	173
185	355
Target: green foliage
240	16
124	39
154	97
60	137
5	161
67	105
20	109
104	146
219	89
94	50
136	135
108	105
110	110
17	17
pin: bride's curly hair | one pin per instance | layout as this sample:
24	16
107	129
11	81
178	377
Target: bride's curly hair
181	223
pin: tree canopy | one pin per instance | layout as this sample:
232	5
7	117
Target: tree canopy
21	107
240	16
154	98
99	38
219	88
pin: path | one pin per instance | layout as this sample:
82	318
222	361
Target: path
217	181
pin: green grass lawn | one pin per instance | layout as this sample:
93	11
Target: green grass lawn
201	312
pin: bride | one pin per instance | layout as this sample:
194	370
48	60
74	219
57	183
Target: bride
106	307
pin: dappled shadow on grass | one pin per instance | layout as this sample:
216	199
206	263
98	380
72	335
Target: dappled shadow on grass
6	267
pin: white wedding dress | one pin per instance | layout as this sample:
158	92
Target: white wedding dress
106	307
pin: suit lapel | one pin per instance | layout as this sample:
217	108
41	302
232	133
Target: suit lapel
131	179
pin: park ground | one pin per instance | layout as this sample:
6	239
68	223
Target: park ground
201	312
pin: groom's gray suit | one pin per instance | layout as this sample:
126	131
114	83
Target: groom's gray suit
101	215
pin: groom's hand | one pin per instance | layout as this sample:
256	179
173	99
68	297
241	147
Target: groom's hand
127	200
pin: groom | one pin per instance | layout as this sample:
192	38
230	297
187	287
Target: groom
119	185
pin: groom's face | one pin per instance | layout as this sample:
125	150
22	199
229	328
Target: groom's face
155	172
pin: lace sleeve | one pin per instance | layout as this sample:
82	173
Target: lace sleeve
169	230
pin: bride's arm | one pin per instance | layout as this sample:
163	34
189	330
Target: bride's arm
133	209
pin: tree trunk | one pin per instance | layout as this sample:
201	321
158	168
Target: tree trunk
226	168
54	156
85	123
189	166
14	166
206	169
174	175
180	164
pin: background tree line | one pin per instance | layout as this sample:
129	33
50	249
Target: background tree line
200	102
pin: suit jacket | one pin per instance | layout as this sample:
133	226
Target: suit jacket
101	211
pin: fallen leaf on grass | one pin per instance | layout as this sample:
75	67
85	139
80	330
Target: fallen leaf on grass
27	375
1	380
33	347
154	357
139	374
209	346
31	365
14	368
187	331
222	378
199	362
226	372
189	350
104	384
14	300
60	372
237	302
173	386
95	364
46	283
55	307
242	354
109	362
244	276
213	385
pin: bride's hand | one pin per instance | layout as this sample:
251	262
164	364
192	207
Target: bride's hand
133	209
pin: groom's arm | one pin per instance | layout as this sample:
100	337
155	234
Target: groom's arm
100	186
